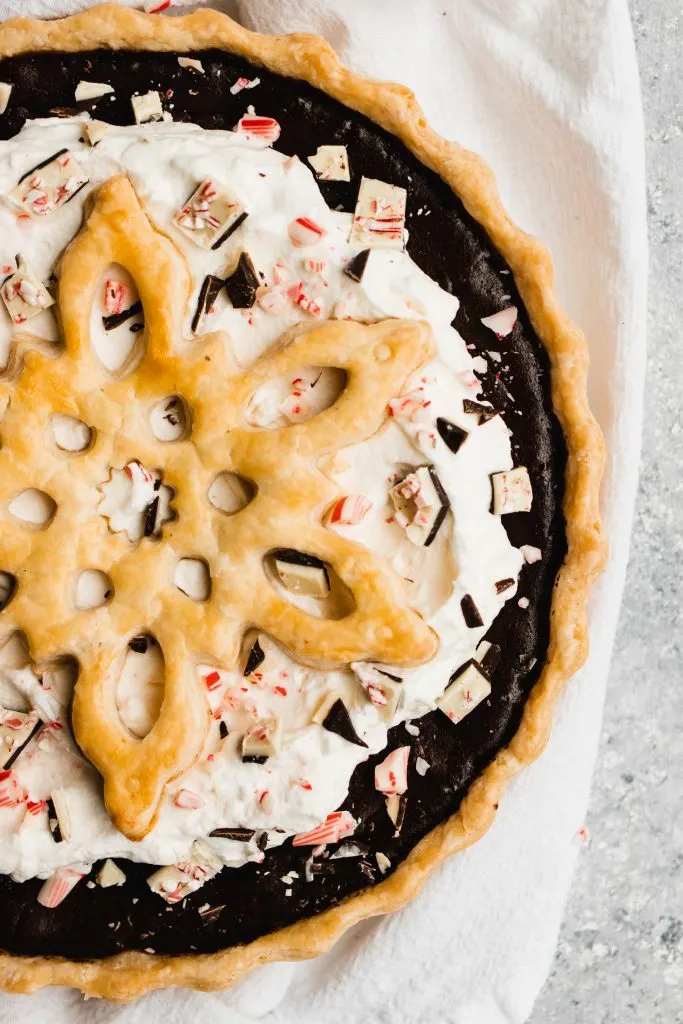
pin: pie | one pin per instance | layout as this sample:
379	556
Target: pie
298	492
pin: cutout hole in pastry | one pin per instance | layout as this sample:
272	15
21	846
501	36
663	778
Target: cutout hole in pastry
33	508
93	590
70	434
309	583
230	492
8	588
193	578
58	678
170	419
140	686
135	501
117	322
295	397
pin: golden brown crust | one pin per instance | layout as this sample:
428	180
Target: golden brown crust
128	975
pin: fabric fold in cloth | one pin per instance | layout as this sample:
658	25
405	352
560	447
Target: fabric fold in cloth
548	93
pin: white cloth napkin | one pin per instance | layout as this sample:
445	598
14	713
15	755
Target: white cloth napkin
548	92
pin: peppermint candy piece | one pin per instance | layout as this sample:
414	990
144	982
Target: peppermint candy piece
511	491
244	83
391	776
115	296
58	886
304	231
420	504
176	881
24	294
17	729
349	510
338	825
49	185
265	128
467	689
331	163
382	689
12	793
501	323
188	800
379	218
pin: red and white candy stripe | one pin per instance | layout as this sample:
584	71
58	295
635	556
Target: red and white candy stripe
266	128
115	296
12	793
336	826
58	886
188	800
391	776
305	231
349	510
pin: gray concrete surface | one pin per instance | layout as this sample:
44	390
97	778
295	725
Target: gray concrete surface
620	955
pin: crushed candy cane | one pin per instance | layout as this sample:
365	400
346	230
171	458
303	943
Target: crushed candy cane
336	826
379	218
49	185
304	231
391	776
349	510
511	491
244	83
265	128
211	215
58	886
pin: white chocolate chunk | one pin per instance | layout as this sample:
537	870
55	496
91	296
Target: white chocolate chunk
379	218
91	90
15	729
511	491
191	64
263	739
110	874
463	695
5	93
420	505
49	186
60	802
501	323
309	580
383	862
147	107
331	163
175	882
95	131
24	294
381	689
531	554
210	215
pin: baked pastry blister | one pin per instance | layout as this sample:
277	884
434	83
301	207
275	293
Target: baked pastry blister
261	497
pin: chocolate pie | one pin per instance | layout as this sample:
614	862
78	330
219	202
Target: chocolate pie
298	500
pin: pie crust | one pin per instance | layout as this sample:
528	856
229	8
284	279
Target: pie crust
127	975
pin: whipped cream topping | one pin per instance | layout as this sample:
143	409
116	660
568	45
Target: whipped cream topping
302	270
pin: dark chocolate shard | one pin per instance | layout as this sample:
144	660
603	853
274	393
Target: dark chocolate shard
254	758
451	434
138	644
503	585
355	268
262	841
222	730
233	227
208	294
443	509
134	328
485	412
66	112
116	319
470	612
402	808
489	663
15	753
151	517
53	821
256	658
240	835
383	672
242	285
338	720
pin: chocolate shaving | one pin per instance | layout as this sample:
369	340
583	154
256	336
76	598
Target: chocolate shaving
262	841
116	319
443	510
503	585
53	821
489	663
208	294
222	730
396	679
256	658
151	517
138	644
402	808
355	268
338	720
15	753
241	835
233	227
254	758
241	286
452	435
134	328
485	412
470	612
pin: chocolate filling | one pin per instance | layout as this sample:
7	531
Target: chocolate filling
452	249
